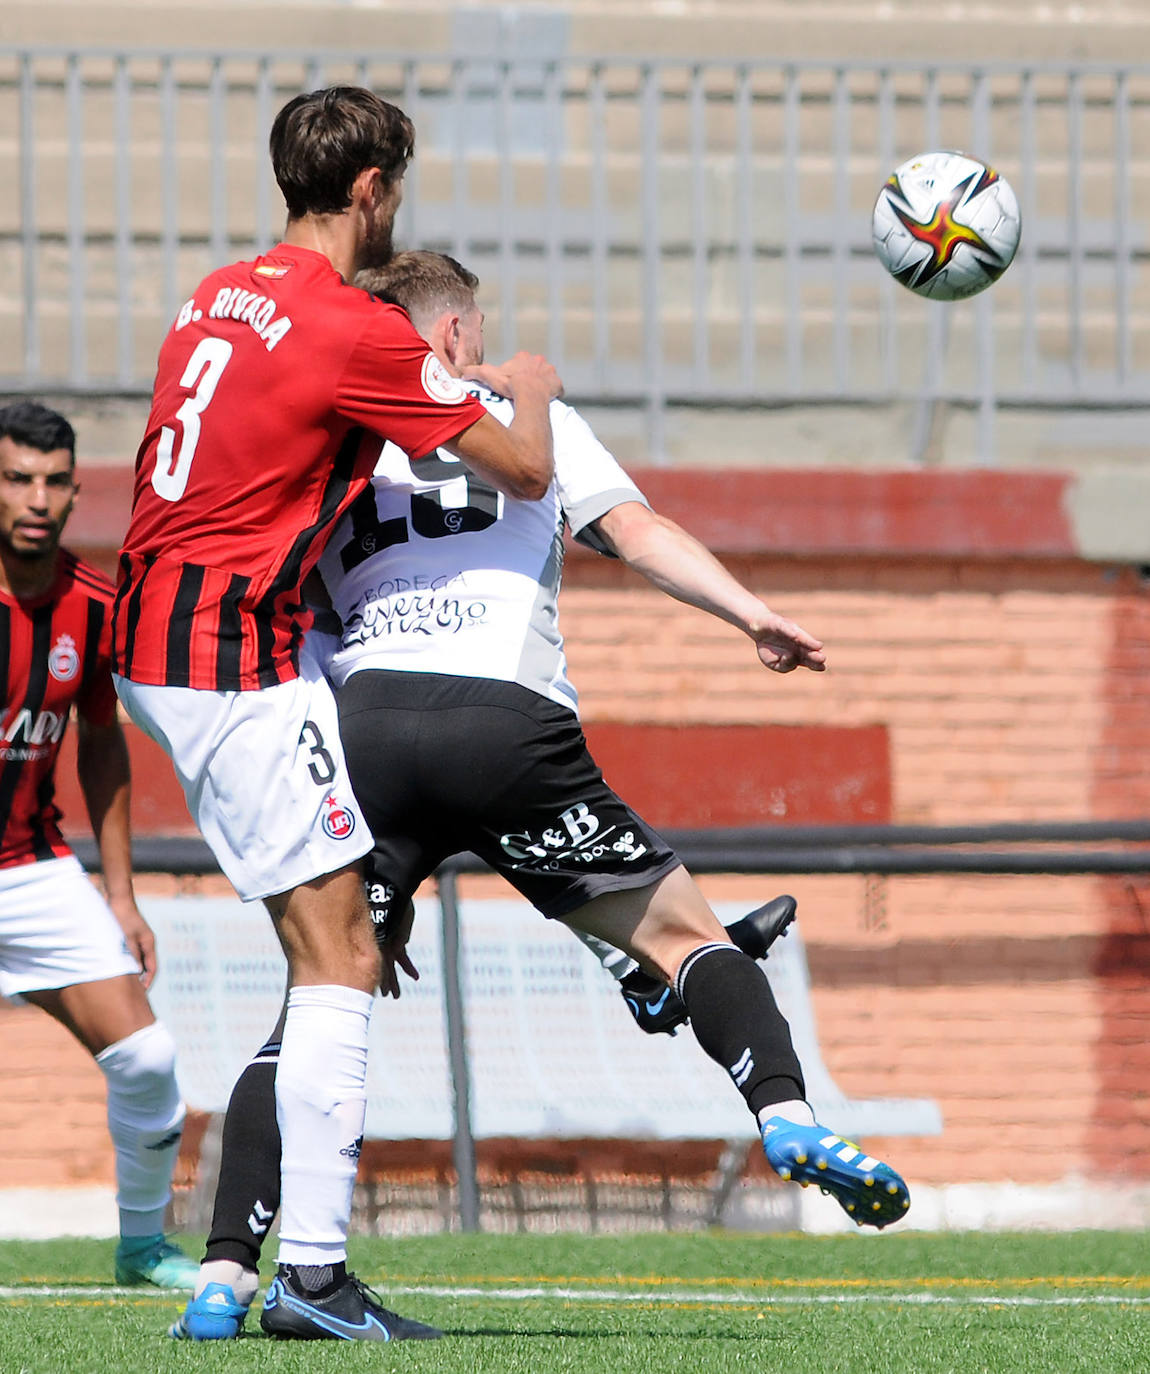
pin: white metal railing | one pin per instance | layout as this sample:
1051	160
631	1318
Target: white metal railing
670	233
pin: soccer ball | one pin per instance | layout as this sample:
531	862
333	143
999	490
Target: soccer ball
946	225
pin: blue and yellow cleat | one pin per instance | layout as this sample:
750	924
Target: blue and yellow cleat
869	1191
213	1315
154	1260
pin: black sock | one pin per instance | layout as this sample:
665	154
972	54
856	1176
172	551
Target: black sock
316	1280
736	1020
248	1192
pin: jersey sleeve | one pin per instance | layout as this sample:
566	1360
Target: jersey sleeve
589	478
396	386
96	700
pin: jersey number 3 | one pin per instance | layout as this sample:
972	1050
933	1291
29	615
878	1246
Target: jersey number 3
204	369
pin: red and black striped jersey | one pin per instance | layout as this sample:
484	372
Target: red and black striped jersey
266	387
54	653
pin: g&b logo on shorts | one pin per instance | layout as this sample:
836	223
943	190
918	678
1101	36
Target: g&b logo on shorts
338	821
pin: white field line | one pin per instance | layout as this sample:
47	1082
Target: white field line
664	1297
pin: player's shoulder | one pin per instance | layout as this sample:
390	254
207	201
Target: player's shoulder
301	277
77	577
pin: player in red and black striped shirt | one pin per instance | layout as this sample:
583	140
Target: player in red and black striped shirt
84	960
266	384
53	653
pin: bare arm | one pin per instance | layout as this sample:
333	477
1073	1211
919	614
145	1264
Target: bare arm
105	780
675	562
517	459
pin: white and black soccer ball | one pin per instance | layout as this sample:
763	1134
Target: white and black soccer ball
946	225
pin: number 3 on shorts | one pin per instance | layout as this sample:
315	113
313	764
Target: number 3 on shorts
204	369
323	769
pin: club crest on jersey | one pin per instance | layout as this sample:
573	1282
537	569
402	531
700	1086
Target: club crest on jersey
63	660
338	822
439	384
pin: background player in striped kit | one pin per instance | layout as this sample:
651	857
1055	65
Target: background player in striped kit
85	960
450	671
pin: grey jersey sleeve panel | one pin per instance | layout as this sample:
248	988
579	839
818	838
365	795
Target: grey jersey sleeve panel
586	512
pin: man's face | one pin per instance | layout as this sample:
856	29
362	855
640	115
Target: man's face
469	344
378	248
36	494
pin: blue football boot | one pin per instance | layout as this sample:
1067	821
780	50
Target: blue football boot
213	1315
869	1191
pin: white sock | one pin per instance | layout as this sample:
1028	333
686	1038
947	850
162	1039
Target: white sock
145	1119
244	1283
795	1109
321	1099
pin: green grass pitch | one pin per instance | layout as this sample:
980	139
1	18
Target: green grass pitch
611	1304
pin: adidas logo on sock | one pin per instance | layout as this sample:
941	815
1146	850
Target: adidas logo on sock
353	1150
743	1069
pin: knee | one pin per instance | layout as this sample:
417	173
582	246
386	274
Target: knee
352	961
327	934
142	1066
368	966
142	1059
674	946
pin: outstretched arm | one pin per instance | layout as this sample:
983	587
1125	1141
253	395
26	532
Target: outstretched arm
105	780
675	562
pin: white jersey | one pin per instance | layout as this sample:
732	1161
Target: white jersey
433	571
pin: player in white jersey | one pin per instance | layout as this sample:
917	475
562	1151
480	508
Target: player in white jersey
461	731
433	572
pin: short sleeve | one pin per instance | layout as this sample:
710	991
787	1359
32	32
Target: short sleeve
96	700
393	384
588	476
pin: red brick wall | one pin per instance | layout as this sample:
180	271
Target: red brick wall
1010	691
1120	1061
696	776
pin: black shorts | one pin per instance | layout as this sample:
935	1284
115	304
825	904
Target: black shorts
442	765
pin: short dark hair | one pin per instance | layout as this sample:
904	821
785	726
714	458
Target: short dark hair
321	141
33	425
425	284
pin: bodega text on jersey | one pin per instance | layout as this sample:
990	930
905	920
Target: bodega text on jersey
418	614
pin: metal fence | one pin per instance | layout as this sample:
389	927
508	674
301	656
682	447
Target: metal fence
670	233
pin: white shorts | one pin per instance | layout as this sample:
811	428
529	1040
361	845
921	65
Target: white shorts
56	930
263	774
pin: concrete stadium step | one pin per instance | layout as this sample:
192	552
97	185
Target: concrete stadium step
1025	29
